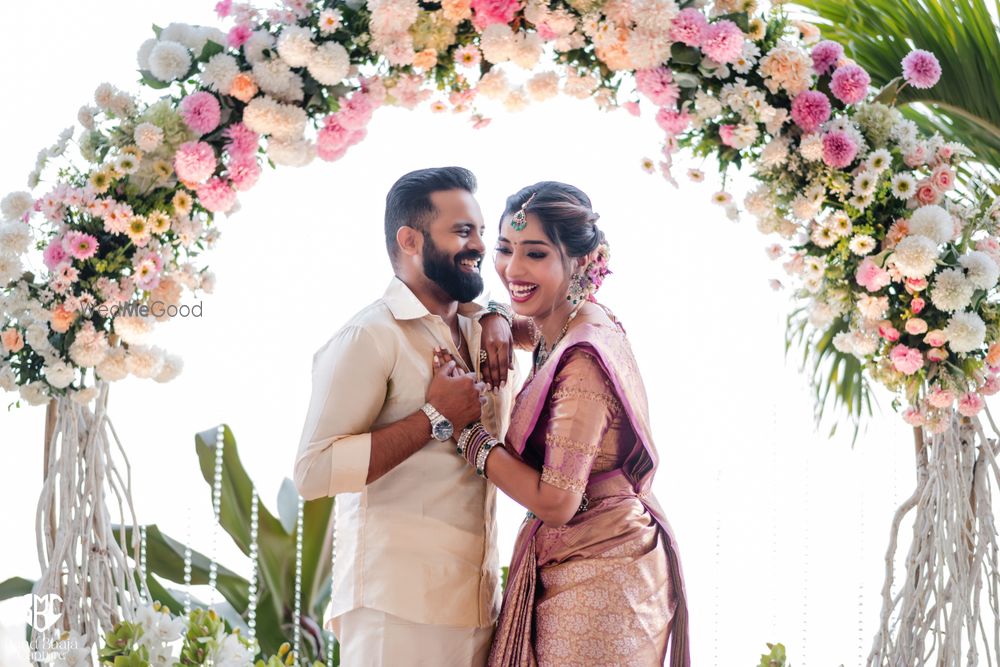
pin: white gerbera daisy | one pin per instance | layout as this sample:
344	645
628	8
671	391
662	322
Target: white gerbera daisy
903	186
965	332
862	245
981	270
823	236
169	61
840	223
933	222
879	160
951	290
865	183
915	256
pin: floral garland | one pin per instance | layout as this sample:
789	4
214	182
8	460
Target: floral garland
891	258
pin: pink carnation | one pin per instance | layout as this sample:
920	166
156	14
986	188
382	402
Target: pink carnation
723	41
80	245
658	85
689	27
970	404
195	162
940	398
826	55
332	140
839	149
906	360
921	69
672	121
216	195
201	112
223	7
849	84
488	12
244	172
913	416
991	386
631	107
726	134
54	253
810	109
357	111
242	140
871	276
238	36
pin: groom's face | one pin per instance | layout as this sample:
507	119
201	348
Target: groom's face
453	245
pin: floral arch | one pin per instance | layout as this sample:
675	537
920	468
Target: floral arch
895	265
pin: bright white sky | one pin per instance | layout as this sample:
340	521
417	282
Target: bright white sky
782	531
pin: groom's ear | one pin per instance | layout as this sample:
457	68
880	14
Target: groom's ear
410	240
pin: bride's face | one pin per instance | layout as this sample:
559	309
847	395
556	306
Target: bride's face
532	268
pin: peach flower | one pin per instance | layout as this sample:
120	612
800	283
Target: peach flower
11	340
243	87
993	355
62	318
937	354
915	326
935	338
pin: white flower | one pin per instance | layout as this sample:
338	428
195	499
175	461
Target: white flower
329	20
142	57
981	270
113	367
516	100
103	95
498	43
219	72
15	237
933	222
577	85
84	396
295	45
903	185
775	153
805	208
879	160
494	84
823	236
168	61
277	79
89	348
811	147
35	393
10	268
951	290
59	374
862	245
295	153
85	116
840	223
873	307
8	381
915	256
543	86
844	342
253	48
329	63
133	329
821	314
16	204
172	367
813	266
864	343
178	32
965	332
144	362
865	183
148	137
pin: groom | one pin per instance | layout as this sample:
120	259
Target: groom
416	572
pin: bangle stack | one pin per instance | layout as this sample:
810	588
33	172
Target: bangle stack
475	444
503	310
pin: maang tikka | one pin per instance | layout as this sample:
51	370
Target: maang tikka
519	221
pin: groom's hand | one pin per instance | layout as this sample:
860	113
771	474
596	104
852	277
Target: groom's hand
498	343
455	394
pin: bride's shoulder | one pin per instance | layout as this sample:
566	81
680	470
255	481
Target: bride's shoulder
593	312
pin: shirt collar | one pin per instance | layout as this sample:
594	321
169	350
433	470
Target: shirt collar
404	304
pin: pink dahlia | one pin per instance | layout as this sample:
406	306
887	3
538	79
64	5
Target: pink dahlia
871	276
849	84
826	55
673	121
839	149
216	195
689	27
488	12
921	69
723	41
810	109
906	360
658	85
201	112
195	162
242	140
80	245
244	172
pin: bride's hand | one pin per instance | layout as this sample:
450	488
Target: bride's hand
442	357
498	343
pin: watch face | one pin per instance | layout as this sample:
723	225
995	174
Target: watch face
443	430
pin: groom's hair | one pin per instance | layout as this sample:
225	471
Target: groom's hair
408	203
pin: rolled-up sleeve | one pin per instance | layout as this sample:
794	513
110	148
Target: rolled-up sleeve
349	382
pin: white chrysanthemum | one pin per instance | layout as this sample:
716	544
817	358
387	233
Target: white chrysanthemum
824	237
821	314
840	223
254	47
275	78
811	147
8	381
83	397
142	57
202	35
543	86
122	105
219	72
933	222
879	160
37	337
172	367
577	85
35	393
813	266
915	256
60	374
103	95
329	63
654	15
865	183
296	153
148	137
169	61
873	307
282	121
144	362
15	205
10	268
494	84
980	269
498	43
113	367
864	343
775	153
516	100
182	33
844	342
15	237
133	329
805	208
759	201
862	245
295	45
965	332
951	290
903	185
89	348
85	116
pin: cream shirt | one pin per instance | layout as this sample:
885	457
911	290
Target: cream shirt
419	542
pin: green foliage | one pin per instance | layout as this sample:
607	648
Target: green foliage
776	658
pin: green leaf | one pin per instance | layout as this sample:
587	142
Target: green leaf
684	55
210	49
15	587
147	79
157	30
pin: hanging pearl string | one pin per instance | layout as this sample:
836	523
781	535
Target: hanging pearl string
252	597
213	570
861	580
333	560
298	582
142	565
187	565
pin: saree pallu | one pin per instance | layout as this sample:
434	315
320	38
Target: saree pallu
606	588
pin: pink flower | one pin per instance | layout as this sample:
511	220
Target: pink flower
242	140
689	27
913	416
658	85
991	386
488	12
331	140
917	305
915	326
631	107
871	276
723	41
943	178
80	245
223	7
810	109
201	112
927	193
849	84
906	360
971	403
11	340
726	134
935	338
839	149
940	398
244	172
357	111
937	354
672	121
238	36
54	253
195	162
916	157
216	195
916	284
921	69
826	55
889	332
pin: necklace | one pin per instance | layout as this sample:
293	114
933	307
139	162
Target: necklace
541	354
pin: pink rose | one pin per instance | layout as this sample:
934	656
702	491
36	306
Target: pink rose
935	338
943	178
871	276
970	404
488	12
940	398
889	332
916	284
915	326
927	193
917	305
915	158
906	360
937	354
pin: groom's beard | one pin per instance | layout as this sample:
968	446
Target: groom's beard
446	272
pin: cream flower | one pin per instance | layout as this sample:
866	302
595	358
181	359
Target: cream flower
965	332
915	256
169	61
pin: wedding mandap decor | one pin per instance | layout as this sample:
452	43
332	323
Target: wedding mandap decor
893	260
